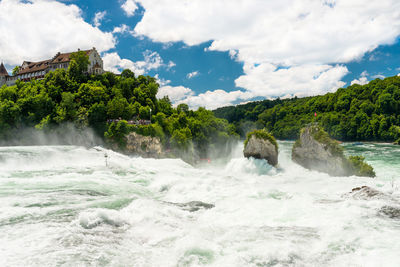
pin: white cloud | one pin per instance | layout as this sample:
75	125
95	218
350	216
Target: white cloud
214	99
98	17
162	82
233	54
362	80
129	7
114	63
175	93
38	29
192	74
281	32
380	76
122	29
171	64
308	39
267	80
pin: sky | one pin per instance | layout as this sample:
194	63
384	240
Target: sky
215	53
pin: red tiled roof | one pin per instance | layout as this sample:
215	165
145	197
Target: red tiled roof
42	65
35	66
3	71
64	57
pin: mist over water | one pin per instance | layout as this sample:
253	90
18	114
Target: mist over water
64	134
72	206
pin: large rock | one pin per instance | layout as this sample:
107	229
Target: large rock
315	150
261	145
193	206
368	193
321	155
392	212
145	146
392	207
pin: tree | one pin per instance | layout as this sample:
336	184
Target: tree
78	65
66	111
15	70
119	108
181	138
127	73
117	133
183	108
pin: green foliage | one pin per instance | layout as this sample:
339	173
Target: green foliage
182	108
95	101
78	66
365	113
181	138
15	70
359	167
262	134
127	74
117	132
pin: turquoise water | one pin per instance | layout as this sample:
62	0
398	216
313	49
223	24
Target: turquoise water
71	206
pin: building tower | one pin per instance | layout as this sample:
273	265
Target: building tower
3	74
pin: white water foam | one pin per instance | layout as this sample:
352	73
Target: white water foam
67	206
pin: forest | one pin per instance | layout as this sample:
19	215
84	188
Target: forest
95	101
369	112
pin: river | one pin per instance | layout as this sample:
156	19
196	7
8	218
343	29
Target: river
72	206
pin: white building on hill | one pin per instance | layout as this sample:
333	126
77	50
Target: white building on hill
37	70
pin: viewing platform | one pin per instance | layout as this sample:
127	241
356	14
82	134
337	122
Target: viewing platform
131	122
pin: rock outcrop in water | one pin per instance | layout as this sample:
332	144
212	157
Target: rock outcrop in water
392	210
260	144
315	150
368	193
193	206
145	146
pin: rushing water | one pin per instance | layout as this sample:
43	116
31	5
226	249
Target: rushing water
64	206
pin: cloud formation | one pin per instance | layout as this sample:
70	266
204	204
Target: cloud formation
214	99
288	47
114	63
192	74
129	6
98	17
52	27
361	80
175	93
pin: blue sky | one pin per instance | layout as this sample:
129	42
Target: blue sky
214	53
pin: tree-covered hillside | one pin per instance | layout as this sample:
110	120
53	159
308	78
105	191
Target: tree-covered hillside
96	101
368	112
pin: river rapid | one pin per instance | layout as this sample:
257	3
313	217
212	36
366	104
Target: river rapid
72	206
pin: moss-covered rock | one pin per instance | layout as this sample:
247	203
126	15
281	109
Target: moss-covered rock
359	167
261	145
316	150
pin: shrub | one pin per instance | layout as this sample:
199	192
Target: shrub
359	167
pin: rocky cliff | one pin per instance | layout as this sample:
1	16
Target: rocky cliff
145	146
261	145
315	150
